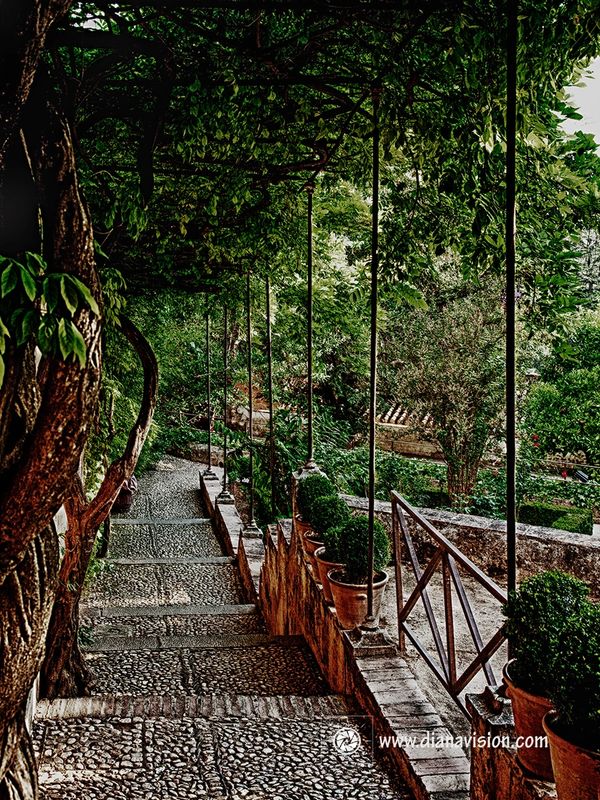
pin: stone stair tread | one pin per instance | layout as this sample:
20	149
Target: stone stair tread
206	642
210	706
166	584
236	609
255	666
205	560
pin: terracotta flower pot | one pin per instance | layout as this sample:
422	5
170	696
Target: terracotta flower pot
323	567
312	542
302	527
528	711
351	599
576	770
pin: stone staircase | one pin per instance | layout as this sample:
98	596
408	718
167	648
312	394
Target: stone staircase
193	698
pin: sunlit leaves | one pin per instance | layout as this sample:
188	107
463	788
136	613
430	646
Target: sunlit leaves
39	305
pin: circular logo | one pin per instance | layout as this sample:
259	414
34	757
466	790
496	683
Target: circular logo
346	741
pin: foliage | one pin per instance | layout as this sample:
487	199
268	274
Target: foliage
564	415
332	540
40	305
328	512
311	489
553	516
539	617
448	368
354	547
575	691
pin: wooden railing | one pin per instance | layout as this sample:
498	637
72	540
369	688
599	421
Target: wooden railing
449	558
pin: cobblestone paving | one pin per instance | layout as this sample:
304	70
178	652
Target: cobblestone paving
164	541
138	672
160	759
177	541
201	585
228	718
174	625
274	669
165	584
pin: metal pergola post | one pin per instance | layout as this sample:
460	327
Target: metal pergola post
270	381
370	622
225	495
310	464
251	529
208	474
511	186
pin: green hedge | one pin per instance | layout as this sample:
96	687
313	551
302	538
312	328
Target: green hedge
577	520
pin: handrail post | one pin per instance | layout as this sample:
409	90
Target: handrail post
398	571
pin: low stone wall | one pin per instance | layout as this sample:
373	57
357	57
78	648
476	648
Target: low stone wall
484	542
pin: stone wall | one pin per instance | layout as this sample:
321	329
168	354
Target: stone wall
484	542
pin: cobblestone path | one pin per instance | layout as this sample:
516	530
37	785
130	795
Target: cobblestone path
193	699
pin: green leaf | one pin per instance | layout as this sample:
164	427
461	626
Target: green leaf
69	293
85	294
9	279
29	284
79	348
65	341
2	370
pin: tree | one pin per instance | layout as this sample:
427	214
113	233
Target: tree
446	366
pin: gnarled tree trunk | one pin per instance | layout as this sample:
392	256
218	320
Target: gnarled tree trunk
64	672
45	410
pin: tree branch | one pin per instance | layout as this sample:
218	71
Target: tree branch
122	468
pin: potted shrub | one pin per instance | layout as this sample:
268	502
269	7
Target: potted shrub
329	558
538	617
349	585
327	512
573	729
307	491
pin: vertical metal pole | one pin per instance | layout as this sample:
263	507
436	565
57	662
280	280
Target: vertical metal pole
370	621
270	378
251	528
208	473
511	144
225	496
310	462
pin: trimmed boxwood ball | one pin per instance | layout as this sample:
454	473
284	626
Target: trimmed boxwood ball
328	512
539	617
311	488
332	540
354	548
576	690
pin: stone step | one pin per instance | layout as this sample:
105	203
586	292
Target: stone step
154	538
202	621
209	706
215	561
216	641
286	749
126	585
253	664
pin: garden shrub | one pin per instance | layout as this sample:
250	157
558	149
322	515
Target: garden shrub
310	489
537	617
328	512
548	515
354	547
